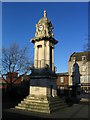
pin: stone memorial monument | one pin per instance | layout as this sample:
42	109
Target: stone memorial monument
76	85
75	74
43	89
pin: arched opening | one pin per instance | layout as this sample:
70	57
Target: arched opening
39	55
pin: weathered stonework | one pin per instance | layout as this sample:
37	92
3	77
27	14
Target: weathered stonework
44	44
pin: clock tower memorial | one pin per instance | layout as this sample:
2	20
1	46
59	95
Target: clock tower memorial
43	89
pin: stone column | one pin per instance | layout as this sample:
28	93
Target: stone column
35	57
47	54
43	56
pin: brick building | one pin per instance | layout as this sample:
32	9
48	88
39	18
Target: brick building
20	88
62	81
11	77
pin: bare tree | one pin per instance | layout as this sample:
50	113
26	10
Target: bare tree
87	45
15	60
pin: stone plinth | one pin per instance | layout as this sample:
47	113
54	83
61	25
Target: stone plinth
43	82
43	93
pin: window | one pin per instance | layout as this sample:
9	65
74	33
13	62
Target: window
83	68
83	58
89	79
62	79
84	79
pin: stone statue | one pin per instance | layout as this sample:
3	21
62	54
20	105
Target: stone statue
76	74
76	87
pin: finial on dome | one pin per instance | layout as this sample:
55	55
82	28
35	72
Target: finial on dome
45	13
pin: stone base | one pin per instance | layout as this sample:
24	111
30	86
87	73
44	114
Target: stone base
41	104
42	95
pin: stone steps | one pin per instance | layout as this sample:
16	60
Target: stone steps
33	109
41	109
41	104
46	105
34	100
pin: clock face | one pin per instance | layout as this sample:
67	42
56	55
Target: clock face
40	27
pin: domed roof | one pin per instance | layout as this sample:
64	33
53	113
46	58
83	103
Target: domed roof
44	19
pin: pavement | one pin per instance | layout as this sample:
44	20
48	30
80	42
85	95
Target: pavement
80	111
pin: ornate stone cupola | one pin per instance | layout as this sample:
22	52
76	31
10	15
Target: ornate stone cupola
44	27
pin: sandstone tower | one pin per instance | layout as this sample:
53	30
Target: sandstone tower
44	43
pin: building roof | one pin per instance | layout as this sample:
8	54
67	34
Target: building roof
47	31
44	19
78	55
65	73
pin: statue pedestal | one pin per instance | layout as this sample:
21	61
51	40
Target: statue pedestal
42	95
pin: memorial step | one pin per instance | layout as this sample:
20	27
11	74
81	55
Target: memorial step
33	109
37	104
